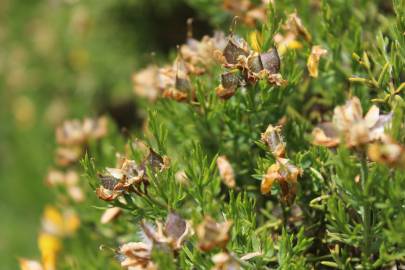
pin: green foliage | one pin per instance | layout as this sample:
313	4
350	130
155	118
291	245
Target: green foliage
344	210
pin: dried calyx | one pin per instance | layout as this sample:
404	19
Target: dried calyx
212	234
130	177
168	238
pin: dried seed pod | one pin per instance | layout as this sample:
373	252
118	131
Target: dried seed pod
255	63
236	47
183	84
271	61
109	182
175	226
224	93
230	80
273	138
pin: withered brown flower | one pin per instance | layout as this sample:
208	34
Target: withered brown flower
171	235
285	174
136	255
225	261
313	60
387	152
146	82
294	24
75	132
293	28
130	177
350	125
69	180
67	155
212	234
273	138
226	171
248	13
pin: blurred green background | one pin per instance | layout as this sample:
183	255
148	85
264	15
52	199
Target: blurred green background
62	59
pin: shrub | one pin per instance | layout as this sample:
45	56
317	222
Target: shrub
275	145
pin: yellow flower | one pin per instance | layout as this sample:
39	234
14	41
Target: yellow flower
313	60
59	224
49	245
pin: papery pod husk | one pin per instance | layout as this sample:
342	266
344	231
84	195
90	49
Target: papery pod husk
271	61
183	84
225	93
153	160
175	226
255	63
235	48
107	181
173	93
230	80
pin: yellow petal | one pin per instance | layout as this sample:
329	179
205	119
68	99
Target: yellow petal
52	220
49	246
313	60
256	40
72	222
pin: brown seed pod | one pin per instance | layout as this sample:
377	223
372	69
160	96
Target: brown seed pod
236	47
271	61
224	93
230	80
254	63
175	226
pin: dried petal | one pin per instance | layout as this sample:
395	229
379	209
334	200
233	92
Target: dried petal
295	25
272	137
68	155
313	60
226	172
146	83
269	178
110	214
388	152
326	135
225	261
212	234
